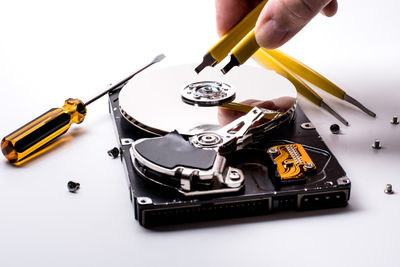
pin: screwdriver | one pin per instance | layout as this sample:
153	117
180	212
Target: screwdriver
32	137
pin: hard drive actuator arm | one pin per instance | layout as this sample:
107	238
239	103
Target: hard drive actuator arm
229	135
194	167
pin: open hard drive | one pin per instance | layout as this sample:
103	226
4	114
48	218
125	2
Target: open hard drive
195	148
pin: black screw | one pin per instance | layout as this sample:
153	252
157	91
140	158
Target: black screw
395	120
377	144
72	186
335	129
114	153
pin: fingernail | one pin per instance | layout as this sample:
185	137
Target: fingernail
270	34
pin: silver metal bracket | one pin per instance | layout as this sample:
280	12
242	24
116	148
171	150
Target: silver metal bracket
232	132
221	178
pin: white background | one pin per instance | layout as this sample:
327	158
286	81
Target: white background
52	50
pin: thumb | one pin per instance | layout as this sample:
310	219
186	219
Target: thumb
280	20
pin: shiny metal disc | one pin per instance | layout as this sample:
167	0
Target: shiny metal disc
152	100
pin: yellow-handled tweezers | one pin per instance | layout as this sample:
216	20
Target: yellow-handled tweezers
227	42
240	40
307	74
271	63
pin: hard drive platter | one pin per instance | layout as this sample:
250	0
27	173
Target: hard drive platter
153	100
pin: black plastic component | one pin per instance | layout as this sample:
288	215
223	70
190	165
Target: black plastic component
206	211
323	200
172	150
284	202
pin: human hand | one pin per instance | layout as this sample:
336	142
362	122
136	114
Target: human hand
278	22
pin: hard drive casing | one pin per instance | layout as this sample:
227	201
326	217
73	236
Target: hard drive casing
157	205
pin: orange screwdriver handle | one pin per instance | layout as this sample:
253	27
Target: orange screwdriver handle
36	134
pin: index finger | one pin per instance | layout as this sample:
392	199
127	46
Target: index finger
230	12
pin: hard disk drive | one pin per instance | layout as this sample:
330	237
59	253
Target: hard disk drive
209	146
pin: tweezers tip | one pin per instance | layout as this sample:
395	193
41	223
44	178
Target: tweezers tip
357	103
208	60
334	113
199	68
232	63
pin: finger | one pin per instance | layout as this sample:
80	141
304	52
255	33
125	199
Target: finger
284	103
268	104
225	115
251	102
280	104
230	12
330	9
280	20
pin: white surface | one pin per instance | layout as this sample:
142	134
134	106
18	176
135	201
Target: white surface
153	98
52	50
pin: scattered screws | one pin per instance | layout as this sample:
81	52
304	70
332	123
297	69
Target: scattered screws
394	120
114	153
272	151
388	189
72	186
234	175
329	183
335	129
196	96
343	181
307	126
377	144
309	166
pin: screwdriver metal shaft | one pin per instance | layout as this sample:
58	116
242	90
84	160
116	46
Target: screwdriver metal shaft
25	143
124	81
